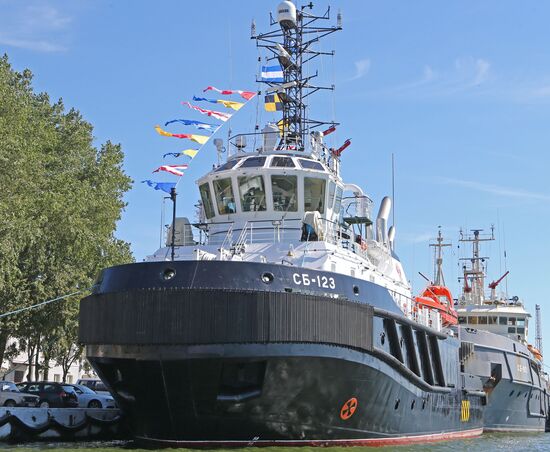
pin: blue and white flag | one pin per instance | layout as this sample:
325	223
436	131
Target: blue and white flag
164	186
272	74
197	124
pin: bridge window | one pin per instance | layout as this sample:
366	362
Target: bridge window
206	200
284	162
503	320
314	194
520	330
252	193
285	189
228	165
511	320
492	320
462	320
472	320
224	196
253	162
331	190
482	320
520	322
512	329
311	164
338	199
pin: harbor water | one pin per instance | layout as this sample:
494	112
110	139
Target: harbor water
486	443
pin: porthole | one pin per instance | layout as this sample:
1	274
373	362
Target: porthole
267	277
168	274
356	290
396	404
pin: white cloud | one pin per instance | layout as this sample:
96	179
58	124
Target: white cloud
482	71
33	26
414	238
428	75
361	68
498	190
36	45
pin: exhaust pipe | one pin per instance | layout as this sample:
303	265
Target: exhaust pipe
391	236
382	220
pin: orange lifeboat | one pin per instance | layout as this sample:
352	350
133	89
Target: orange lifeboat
535	351
440	299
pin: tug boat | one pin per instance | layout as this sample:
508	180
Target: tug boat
283	316
496	326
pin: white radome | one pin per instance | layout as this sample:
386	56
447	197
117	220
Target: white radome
286	14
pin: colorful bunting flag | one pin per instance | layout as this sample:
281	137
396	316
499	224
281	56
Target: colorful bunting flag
244	94
272	74
230	104
188	152
201	139
172	169
273	103
225	103
198	124
173	154
164	186
215	114
204	99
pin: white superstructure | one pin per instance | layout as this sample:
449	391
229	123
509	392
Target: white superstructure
491	311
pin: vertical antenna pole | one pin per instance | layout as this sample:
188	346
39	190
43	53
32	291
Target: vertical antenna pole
538	329
173	195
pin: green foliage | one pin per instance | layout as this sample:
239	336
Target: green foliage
60	200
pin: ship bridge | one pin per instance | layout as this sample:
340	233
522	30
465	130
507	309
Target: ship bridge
278	194
507	318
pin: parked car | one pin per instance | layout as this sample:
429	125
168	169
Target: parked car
94	384
51	394
88	398
11	396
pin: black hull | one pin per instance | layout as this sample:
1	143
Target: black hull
287	393
197	366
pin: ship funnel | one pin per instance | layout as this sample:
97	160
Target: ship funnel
382	220
391	236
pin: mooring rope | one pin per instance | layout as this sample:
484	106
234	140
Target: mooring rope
43	303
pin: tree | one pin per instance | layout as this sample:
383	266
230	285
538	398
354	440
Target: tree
60	200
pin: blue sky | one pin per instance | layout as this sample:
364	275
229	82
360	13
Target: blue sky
458	91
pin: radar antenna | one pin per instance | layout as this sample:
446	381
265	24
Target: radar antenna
292	47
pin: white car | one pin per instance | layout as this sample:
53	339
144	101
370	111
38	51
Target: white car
10	396
88	398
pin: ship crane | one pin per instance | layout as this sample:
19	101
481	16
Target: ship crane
493	285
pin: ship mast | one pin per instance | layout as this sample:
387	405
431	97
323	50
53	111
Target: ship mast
538	330
292	47
474	292
439	279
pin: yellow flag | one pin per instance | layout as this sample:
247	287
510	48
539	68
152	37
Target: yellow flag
190	152
201	139
231	104
162	132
